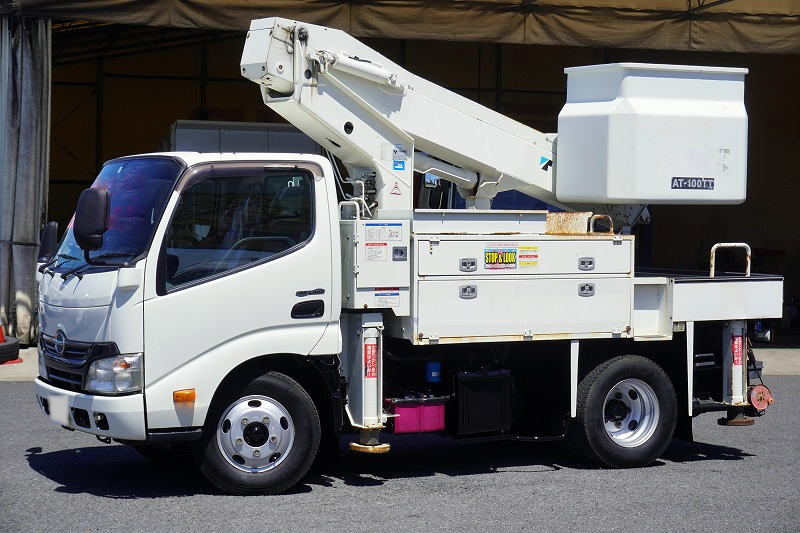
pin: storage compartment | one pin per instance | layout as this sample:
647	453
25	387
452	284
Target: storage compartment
484	402
519	256
522	307
423	414
659	134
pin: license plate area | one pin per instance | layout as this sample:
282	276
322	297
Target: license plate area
59	409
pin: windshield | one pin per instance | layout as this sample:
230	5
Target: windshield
139	190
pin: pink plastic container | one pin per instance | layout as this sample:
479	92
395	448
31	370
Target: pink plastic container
418	417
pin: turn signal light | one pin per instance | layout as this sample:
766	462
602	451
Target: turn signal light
184	396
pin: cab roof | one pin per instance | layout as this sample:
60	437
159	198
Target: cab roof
194	158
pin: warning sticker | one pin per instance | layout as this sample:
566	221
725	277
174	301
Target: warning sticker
528	256
370	360
376	251
736	349
383	231
500	258
387	297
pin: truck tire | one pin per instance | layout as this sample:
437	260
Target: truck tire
261	438
9	349
626	413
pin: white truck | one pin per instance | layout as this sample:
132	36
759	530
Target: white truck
250	308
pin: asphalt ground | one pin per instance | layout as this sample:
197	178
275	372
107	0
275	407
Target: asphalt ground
731	479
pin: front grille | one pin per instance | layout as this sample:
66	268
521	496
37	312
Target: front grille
73	350
67	370
64	379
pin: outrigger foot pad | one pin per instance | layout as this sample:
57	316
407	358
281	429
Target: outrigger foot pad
368	442
374	448
735	418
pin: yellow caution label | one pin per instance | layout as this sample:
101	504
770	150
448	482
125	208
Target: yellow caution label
500	258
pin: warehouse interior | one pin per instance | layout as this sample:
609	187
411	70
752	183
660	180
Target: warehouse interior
117	88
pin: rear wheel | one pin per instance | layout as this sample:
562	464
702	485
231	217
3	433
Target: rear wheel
262	438
626	413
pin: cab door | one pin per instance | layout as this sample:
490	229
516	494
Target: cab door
245	269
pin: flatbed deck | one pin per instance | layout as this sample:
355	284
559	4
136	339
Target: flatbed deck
668	296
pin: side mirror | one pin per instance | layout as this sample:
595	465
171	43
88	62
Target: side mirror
49	242
91	218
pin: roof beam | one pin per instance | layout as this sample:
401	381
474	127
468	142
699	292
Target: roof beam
704	4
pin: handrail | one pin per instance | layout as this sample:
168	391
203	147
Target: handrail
730	245
595	218
356	212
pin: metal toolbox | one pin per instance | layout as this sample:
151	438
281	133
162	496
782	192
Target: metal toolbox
527	307
521	287
502	255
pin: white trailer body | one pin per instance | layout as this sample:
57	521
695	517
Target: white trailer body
254	306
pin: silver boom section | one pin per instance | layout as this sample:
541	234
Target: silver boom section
384	122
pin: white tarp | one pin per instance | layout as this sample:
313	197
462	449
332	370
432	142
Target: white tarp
750	26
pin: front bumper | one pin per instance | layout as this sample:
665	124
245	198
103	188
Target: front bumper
124	415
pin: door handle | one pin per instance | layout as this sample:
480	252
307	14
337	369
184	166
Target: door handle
308	309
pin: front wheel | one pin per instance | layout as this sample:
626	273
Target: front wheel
626	413
261	438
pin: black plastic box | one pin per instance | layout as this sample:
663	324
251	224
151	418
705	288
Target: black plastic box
484	402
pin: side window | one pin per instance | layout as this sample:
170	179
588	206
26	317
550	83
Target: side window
224	223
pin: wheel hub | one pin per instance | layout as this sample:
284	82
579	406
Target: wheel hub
255	433
616	410
631	412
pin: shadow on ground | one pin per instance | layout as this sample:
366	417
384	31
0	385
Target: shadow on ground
118	471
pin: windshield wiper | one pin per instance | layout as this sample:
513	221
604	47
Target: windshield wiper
56	258
45	267
77	269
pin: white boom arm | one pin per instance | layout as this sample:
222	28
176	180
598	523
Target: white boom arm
630	134
383	122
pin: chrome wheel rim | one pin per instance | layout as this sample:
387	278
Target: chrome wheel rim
630	413
255	434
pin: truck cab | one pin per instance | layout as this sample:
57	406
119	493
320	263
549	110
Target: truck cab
208	261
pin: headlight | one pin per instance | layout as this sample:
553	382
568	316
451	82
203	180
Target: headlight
112	375
42	368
